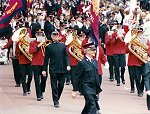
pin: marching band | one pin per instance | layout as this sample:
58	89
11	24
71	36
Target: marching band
63	42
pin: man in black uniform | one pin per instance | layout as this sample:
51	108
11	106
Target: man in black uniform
88	80
59	64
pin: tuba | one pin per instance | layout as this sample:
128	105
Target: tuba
136	47
21	35
75	47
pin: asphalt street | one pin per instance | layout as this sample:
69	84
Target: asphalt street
113	99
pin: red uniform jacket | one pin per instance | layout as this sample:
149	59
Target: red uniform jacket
38	53
29	31
101	60
119	46
22	58
109	45
9	43
73	61
132	59
63	38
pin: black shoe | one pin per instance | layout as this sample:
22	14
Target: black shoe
17	85
132	91
28	92
56	104
38	99
42	96
111	80
123	82
140	94
24	94
118	84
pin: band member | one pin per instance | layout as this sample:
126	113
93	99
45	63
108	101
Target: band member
15	61
25	69
109	53
73	60
87	80
37	50
119	53
134	68
59	64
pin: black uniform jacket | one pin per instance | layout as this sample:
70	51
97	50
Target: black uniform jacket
87	78
58	56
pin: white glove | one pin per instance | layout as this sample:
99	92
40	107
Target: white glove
148	92
106	65
44	73
68	68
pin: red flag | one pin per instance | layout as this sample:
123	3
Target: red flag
95	20
14	7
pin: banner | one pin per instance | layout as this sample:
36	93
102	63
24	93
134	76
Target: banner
29	4
14	7
95	21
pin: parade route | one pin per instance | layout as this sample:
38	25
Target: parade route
113	99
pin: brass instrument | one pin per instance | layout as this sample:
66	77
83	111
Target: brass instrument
45	43
21	35
136	47
75	47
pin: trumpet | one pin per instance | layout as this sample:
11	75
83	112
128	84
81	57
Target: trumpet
43	45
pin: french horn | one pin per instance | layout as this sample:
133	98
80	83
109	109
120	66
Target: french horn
21	36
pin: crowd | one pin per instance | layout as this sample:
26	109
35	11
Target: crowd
63	20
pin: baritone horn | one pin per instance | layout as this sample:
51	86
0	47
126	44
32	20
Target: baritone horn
75	47
136	46
21	36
